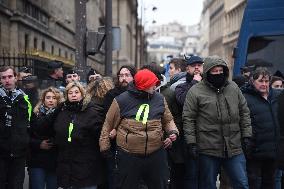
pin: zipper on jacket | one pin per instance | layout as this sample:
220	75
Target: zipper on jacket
218	111
228	109
126	136
146	139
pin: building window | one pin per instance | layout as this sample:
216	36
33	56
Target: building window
52	49
66	54
35	12
35	43
43	46
59	52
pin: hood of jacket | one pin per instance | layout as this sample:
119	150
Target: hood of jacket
211	62
138	93
177	77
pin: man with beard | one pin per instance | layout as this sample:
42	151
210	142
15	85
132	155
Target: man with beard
124	75
194	75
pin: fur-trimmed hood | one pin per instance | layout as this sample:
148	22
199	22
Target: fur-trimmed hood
86	101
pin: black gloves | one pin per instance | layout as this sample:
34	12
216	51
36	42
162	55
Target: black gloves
248	146
192	150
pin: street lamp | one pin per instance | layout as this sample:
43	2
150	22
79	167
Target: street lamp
143	34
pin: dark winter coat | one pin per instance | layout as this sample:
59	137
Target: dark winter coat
280	156
216	119
265	127
42	129
176	152
79	159
14	139
111	94
182	89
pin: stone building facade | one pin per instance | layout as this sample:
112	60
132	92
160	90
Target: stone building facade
44	30
225	17
125	16
204	25
234	10
216	18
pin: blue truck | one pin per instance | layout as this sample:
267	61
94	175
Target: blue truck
261	37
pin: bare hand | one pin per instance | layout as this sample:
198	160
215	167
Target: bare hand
112	134
46	145
173	137
167	143
197	77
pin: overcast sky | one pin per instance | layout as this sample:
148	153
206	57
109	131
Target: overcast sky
186	12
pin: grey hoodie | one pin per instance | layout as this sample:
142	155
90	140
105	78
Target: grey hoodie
177	79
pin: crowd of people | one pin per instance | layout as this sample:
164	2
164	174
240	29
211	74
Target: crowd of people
140	131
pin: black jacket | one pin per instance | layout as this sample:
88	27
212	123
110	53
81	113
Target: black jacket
280	156
42	129
265	126
176	152
111	94
14	138
79	159
182	89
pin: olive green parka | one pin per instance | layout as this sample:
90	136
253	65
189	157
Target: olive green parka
216	119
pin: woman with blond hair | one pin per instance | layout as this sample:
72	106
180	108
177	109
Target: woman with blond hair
43	157
77	128
98	89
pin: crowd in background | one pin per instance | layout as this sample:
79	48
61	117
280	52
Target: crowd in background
139	131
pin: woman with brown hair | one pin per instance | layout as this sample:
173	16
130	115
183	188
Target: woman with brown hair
78	127
43	152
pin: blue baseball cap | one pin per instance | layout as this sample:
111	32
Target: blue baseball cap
193	60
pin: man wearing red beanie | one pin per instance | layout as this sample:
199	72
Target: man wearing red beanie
145	127
145	80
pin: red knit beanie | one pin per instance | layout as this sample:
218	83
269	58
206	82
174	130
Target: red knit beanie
144	79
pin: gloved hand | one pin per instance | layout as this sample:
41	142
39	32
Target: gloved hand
192	150
248	146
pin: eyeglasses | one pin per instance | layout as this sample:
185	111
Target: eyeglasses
71	75
124	75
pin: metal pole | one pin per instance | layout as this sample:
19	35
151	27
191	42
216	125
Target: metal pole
136	38
80	37
108	32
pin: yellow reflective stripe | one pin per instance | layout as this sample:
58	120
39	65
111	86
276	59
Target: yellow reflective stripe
70	129
139	112
30	108
145	115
